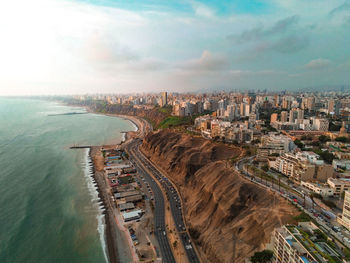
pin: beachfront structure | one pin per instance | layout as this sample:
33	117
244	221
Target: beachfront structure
132	215
344	218
126	194
126	206
304	243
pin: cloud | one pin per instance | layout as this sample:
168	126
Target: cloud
249	73
341	14
319	63
202	10
207	62
291	44
82	47
100	50
259	33
340	9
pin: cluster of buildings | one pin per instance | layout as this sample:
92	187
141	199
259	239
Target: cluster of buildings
302	166
274	144
304	243
120	173
238	131
295	120
232	105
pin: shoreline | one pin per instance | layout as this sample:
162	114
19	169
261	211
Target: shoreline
108	236
110	232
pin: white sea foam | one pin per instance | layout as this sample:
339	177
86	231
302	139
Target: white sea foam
135	126
96	201
123	136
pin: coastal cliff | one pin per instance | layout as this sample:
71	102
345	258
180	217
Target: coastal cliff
228	217
153	115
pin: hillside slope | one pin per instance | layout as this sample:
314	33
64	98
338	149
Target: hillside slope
229	217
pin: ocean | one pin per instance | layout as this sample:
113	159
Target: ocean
49	208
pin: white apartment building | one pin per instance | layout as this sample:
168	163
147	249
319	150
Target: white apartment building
344	219
275	144
341	164
303	166
338	185
321	124
288	249
323	190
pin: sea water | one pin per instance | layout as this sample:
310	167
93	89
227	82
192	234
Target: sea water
49	207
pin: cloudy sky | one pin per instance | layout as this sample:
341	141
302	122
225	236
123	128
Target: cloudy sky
119	46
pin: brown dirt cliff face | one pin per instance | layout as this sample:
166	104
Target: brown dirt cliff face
228	217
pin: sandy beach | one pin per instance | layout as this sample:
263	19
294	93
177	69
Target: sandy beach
111	231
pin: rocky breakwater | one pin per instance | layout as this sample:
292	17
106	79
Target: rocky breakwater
229	217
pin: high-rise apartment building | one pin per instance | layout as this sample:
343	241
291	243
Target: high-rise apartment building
284	116
321	124
273	117
293	115
164	98
344	219
288	248
300	114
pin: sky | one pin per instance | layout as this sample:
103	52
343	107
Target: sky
119	46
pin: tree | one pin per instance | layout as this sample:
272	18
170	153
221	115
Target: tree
334	127
265	167
299	144
315	143
324	138
262	256
306	138
256	141
341	139
327	157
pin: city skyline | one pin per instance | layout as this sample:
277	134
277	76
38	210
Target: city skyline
77	47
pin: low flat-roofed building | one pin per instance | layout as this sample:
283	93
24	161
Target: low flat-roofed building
114	172
343	155
129	193
274	144
126	206
317	188
117	166
338	185
132	215
341	164
124	188
133	198
126	194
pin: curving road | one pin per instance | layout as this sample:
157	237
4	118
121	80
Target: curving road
159	210
174	200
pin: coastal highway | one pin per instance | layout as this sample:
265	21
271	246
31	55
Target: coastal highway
173	197
159	211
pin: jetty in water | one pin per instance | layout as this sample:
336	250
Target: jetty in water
68	113
81	147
